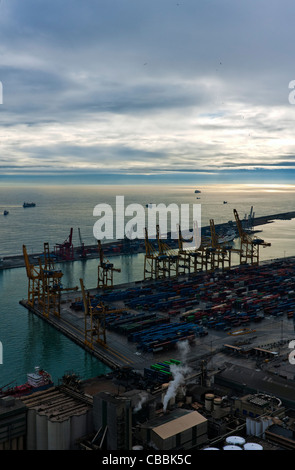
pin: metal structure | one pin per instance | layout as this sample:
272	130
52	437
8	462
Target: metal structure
105	277
249	247
44	283
94	320
220	252
82	251
50	285
65	251
34	278
150	258
167	260
184	256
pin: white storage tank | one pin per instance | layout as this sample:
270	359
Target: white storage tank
235	440
252	446
211	448
231	447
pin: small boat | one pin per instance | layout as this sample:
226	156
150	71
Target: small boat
197	191
224	202
36	381
5	212
29	204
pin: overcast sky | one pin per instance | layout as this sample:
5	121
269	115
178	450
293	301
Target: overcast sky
146	86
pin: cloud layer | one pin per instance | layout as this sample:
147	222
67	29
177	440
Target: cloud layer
145	87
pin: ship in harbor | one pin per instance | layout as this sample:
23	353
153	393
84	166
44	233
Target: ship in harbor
29	204
5	212
36	381
227	236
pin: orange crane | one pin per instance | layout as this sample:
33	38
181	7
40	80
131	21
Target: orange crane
249	247
65	251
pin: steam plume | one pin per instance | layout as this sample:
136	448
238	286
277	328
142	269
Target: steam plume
179	373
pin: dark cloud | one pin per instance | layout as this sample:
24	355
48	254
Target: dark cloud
124	84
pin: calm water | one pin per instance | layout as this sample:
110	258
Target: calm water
28	341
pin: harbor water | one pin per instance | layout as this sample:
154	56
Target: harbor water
26	340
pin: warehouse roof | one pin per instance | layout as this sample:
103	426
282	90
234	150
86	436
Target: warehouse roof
180	424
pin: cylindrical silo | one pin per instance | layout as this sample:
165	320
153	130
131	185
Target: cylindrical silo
209	397
78	427
59	434
31	429
217	406
41	432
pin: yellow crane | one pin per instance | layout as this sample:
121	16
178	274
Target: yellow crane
249	247
184	256
34	279
94	320
150	258
50	285
105	277
221	253
167	259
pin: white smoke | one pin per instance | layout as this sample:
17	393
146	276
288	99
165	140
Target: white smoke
179	372
142	399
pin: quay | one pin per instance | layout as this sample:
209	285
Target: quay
147	320
121	248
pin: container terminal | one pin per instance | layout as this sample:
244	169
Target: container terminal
199	352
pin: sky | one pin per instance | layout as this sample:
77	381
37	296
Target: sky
129	89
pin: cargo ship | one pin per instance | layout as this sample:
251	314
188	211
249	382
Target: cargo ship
29	204
36	381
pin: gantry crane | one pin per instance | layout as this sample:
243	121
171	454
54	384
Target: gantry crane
201	259
150	258
34	279
65	251
50	285
105	277
221	253
184	256
249	247
82	250
167	260
95	320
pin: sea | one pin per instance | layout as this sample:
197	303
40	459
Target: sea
28	341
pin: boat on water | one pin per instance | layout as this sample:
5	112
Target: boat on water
197	191
36	381
226	237
29	204
5	212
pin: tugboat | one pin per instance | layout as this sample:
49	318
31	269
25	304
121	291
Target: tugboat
36	381
5	212
29	204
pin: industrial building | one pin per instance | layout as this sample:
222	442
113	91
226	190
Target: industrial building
12	424
178	429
